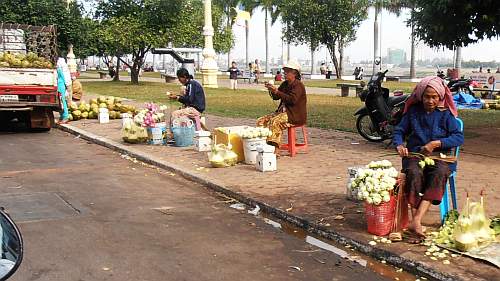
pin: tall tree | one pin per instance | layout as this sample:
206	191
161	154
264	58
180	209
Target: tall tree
332	23
455	23
68	19
135	26
228	7
249	6
270	8
395	7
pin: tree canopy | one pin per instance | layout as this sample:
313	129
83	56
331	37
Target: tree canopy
69	20
444	23
332	23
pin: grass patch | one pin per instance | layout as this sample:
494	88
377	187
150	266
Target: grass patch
324	111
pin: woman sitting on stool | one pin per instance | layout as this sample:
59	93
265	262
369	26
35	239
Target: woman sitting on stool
292	110
430	128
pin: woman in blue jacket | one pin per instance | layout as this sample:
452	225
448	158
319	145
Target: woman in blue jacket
429	127
193	98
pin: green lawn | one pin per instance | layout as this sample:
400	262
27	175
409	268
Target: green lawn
407	87
323	111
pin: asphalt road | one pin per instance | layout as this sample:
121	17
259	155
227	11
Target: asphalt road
86	213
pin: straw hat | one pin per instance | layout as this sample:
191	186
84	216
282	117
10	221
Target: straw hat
292	64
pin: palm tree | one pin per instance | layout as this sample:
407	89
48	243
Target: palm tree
228	6
393	6
270	8
249	6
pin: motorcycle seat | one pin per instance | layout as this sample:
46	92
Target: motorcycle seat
392	101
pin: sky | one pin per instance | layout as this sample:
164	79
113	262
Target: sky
394	34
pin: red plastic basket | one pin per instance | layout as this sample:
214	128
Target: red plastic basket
380	218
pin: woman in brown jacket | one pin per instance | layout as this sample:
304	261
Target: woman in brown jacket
292	110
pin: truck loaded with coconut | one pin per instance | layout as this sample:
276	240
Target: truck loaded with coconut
28	78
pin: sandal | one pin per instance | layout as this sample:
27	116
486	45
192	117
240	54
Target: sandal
413	237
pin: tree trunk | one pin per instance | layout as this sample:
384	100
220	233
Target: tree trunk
229	27
313	66
333	55
341	59
375	39
266	29
458	60
117	72
413	73
287	52
247	33
134	76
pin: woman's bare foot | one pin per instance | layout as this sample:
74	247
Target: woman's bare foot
417	228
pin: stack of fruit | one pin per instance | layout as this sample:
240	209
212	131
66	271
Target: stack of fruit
30	60
493	104
90	110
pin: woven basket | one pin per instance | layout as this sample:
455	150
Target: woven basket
380	218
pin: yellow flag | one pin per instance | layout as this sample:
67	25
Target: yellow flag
242	15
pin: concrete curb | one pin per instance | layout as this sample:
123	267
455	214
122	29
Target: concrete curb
408	265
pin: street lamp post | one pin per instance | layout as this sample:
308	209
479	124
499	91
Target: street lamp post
209	67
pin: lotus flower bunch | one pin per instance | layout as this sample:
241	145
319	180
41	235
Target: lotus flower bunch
259	132
151	115
374	184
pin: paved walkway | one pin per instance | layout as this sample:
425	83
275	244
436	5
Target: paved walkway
312	186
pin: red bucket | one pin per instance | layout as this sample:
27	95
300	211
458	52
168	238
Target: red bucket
380	218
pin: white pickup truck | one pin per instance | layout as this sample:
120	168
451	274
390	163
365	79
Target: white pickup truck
28	78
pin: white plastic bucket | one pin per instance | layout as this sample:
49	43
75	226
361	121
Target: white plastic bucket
156	134
103	115
126	118
250	149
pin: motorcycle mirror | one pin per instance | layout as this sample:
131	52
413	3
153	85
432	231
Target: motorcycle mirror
12	246
377	61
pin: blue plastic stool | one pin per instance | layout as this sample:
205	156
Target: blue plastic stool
444	207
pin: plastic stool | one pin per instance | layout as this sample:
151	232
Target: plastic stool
444	207
292	146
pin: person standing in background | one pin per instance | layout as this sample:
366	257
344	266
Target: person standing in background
63	89
233	75
257	71
329	70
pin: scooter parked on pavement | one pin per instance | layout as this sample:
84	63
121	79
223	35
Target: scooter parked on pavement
376	120
11	247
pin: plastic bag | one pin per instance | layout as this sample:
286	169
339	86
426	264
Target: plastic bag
132	133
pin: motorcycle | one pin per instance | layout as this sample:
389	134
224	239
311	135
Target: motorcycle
376	120
12	246
457	85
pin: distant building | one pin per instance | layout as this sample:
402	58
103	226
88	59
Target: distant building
396	56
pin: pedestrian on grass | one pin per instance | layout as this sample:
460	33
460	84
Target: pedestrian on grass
322	69
329	71
292	110
233	75
429	128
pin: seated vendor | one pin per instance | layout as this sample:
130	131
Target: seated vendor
430	128
292	110
192	98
